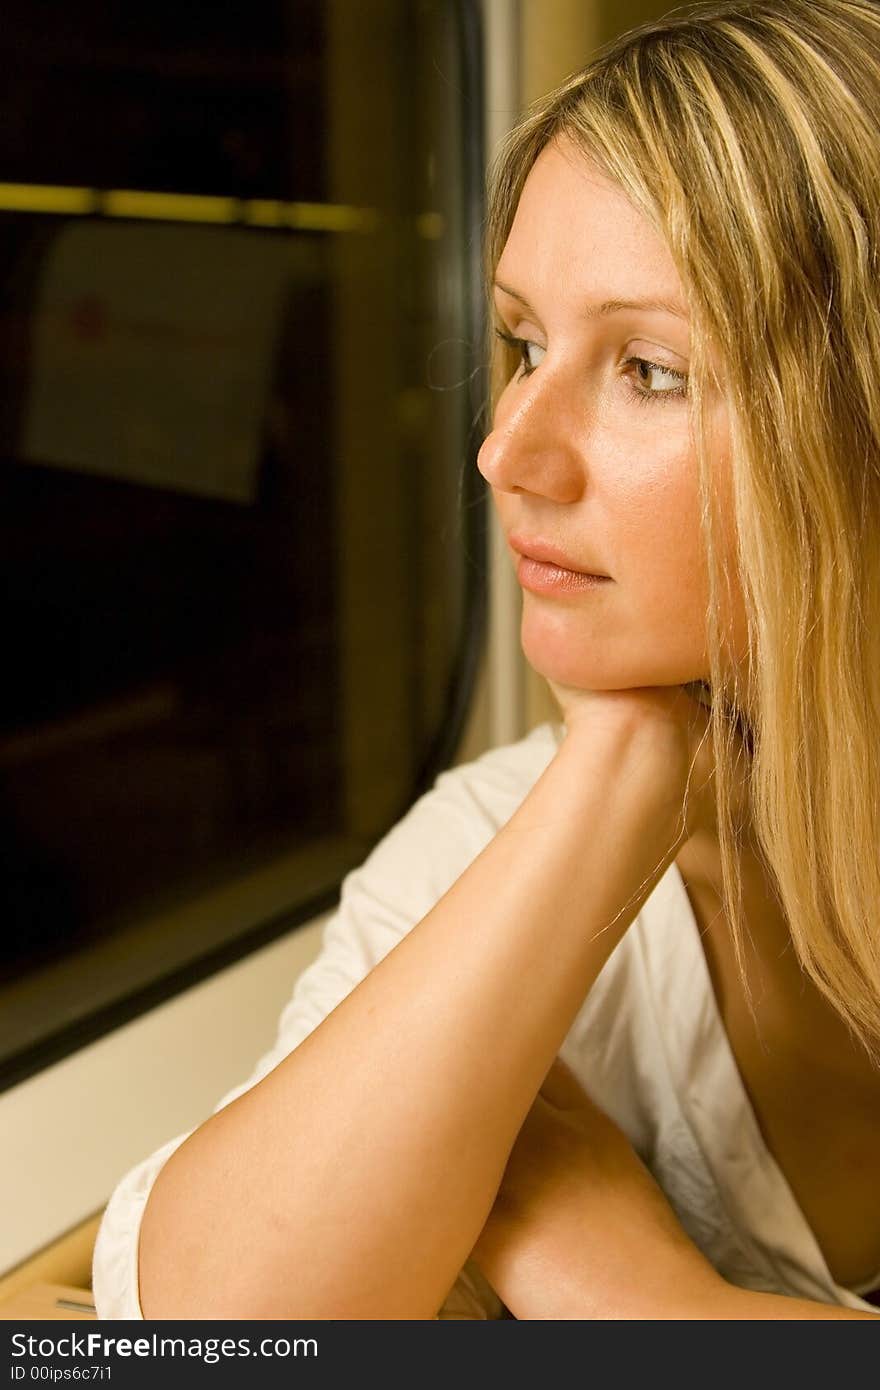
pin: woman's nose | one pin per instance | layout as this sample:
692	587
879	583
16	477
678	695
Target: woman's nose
533	445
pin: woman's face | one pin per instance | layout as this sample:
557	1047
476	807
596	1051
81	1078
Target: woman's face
589	450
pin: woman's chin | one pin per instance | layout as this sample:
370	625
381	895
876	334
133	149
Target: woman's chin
577	677
587	661
561	656
558	655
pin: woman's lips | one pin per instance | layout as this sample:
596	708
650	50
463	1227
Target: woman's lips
544	569
549	554
542	578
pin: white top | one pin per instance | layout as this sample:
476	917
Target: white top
648	1045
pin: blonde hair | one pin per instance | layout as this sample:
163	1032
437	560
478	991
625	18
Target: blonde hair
748	134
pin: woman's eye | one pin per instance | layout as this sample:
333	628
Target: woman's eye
646	381
646	384
530	354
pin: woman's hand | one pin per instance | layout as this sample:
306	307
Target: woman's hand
679	723
580	1229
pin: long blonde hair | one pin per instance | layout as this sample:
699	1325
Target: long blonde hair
748	134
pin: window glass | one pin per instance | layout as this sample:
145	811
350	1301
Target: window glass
242	533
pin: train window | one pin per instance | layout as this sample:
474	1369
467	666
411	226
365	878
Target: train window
243	538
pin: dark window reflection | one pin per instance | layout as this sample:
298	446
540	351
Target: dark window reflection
242	534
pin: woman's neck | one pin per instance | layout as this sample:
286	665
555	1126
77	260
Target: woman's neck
795	1019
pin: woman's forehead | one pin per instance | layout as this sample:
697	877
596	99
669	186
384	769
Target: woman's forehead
575	230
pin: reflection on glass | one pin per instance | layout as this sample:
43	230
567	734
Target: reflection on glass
242	541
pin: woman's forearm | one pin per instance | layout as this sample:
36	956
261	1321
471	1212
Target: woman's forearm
730	1303
353	1180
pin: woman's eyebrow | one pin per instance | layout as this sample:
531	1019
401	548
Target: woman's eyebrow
608	306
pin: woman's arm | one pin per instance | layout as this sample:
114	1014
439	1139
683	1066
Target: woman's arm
354	1179
732	1303
580	1230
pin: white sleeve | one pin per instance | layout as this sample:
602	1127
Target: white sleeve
380	901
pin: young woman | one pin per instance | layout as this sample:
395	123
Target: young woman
595	1031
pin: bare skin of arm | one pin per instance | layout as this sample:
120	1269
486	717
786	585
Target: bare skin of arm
580	1229
743	1304
353	1181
